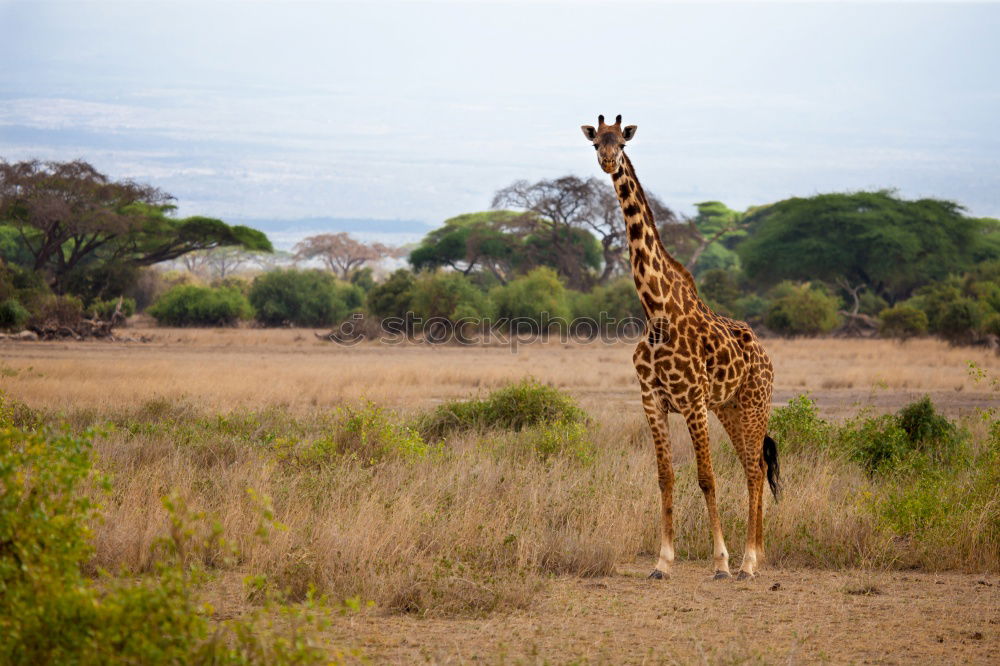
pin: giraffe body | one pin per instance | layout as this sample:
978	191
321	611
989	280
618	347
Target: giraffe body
690	362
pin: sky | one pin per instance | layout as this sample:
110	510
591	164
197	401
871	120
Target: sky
422	110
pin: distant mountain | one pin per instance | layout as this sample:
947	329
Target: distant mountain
335	224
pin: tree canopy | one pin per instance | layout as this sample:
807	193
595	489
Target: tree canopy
506	244
875	239
341	253
71	218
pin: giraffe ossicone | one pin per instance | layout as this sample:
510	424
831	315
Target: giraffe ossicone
690	362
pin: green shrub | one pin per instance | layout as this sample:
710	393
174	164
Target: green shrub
902	321
798	427
51	613
303	298
13	315
722	288
373	434
104	309
929	432
188	305
560	439
55	310
394	297
960	319
534	299
878	444
618	300
448	295
802	310
871	303
915	437
515	407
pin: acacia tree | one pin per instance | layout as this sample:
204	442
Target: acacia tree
70	217
865	239
570	204
486	240
341	253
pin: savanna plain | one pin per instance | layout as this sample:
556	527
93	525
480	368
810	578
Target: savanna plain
389	480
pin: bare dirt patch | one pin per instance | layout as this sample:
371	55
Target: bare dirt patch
784	616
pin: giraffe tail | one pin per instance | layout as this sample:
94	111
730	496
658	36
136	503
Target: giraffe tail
773	469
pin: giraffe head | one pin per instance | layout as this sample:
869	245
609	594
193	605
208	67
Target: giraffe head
609	141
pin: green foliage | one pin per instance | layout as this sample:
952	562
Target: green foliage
798	427
873	238
55	309
363	278
13	315
105	309
469	242
713	217
959	319
394	297
449	295
802	310
303	298
188	305
534	299
902	321
877	443
373	434
560	438
617	301
916	437
51	613
515	407
929	432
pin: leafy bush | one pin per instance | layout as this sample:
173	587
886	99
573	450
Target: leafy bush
534	300
560	438
449	296
802	310
959	320
515	407
371	434
13	315
394	297
722	288
929	432
876	443
50	612
105	309
54	310
618	300
303	298
798	427
902	321
917	436
188	305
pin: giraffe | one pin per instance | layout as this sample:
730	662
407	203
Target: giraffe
690	361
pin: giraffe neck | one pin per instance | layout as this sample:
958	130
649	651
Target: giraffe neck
665	287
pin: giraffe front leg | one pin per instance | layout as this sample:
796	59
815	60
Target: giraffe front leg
697	421
658	425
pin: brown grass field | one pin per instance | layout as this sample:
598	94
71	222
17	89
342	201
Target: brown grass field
481	553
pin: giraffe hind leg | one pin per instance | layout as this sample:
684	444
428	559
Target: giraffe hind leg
697	420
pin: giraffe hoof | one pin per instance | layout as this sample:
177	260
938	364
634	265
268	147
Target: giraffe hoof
743	575
658	575
721	575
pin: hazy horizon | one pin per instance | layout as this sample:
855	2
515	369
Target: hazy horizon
421	111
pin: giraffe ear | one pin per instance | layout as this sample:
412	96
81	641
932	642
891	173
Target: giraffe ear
629	131
589	132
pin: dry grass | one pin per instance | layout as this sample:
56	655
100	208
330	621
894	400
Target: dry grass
476	525
224	369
